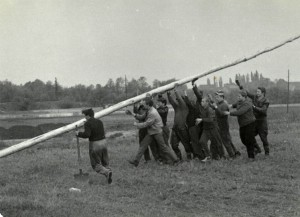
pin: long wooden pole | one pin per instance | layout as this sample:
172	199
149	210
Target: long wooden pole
67	128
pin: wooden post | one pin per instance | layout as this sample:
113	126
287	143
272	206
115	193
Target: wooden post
111	109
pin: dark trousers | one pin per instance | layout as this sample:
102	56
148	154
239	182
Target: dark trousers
227	142
216	146
247	135
163	148
181	135
142	134
261	129
195	133
99	156
166	134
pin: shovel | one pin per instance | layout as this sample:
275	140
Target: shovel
80	176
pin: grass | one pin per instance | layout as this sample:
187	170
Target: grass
36	181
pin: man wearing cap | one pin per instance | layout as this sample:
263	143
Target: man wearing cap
222	119
141	110
210	131
210	128
154	124
94	131
140	114
179	131
260	107
246	120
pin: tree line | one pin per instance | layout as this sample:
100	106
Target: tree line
39	95
50	95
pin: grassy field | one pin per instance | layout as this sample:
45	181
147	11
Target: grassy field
36	181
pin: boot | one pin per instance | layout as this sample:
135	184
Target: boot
134	162
189	156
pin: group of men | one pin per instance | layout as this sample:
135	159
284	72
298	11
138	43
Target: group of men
196	122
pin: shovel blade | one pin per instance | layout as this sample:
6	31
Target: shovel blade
81	176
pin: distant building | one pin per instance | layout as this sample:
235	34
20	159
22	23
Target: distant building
230	86
294	86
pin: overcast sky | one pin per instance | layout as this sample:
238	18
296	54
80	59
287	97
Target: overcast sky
89	41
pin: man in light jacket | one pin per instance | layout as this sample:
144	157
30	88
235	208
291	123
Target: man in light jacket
154	125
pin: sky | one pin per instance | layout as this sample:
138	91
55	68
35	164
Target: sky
89	41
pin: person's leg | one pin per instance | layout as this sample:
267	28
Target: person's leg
154	150
263	134
194	132
166	134
203	143
224	133
142	134
91	155
248	139
257	149
175	143
104	157
184	136
100	156
216	140
144	145
164	149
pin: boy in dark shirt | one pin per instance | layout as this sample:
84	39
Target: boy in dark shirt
220	107
94	131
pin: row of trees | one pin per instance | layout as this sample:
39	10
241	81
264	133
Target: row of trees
39	95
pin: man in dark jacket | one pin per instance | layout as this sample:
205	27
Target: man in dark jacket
179	131
194	130
222	119
210	131
260	107
246	120
216	147
94	131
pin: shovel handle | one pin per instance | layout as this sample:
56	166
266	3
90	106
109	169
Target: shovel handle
78	147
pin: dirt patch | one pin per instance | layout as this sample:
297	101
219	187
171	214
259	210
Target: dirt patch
26	132
117	134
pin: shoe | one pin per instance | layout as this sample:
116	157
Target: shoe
251	159
177	162
257	151
267	153
189	156
109	177
237	153
134	162
205	159
160	163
